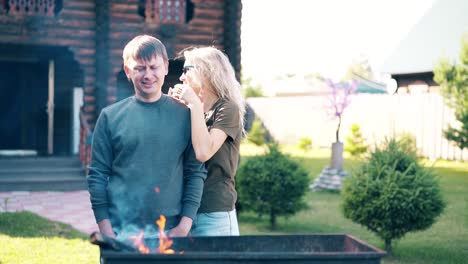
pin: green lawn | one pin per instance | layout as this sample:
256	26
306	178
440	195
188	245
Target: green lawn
28	238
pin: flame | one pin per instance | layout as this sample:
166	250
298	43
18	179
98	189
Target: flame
165	242
138	242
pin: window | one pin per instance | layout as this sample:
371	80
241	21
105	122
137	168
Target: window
166	11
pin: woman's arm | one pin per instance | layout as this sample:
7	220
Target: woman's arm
205	143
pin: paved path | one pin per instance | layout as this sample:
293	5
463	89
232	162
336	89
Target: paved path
72	208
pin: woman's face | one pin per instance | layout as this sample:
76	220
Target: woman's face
191	77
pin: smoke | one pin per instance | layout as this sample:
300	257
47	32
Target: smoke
150	232
132	207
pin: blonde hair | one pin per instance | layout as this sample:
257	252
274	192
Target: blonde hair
216	69
144	47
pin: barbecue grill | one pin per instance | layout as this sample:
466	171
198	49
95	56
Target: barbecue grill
284	249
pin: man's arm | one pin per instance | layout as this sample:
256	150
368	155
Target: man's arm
105	227
182	229
99	172
194	178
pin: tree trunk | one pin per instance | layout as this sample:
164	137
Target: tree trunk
388	246
338	130
272	220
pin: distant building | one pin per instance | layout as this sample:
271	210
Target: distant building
436	35
316	86
60	58
294	86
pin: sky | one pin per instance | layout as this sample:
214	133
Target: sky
322	36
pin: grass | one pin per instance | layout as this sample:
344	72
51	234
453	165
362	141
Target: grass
28	238
445	242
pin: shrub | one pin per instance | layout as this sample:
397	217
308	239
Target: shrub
392	194
408	142
305	144
272	184
253	91
355	143
256	135
249	89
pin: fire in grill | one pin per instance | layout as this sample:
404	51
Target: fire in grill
284	249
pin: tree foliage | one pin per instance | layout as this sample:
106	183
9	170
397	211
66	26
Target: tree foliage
453	81
272	184
360	66
459	135
391	194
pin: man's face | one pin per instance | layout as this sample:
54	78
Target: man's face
147	77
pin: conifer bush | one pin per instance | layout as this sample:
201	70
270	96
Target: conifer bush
355	143
272	184
256	135
391	194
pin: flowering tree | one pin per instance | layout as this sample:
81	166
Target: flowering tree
339	101
331	175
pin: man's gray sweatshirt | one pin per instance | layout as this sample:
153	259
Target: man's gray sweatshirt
143	163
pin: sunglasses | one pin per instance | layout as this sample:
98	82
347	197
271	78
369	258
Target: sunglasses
187	68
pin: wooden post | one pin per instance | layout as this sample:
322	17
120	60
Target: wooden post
102	54
232	41
50	110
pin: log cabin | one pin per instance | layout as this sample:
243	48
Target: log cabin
61	61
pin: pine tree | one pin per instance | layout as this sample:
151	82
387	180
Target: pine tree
356	143
453	80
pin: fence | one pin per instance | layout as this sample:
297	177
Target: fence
425	116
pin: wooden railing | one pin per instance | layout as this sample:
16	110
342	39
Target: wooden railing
29	7
85	141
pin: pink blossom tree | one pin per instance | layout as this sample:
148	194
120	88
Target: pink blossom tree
332	175
339	101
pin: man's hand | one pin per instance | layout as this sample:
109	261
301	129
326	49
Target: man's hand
105	228
182	229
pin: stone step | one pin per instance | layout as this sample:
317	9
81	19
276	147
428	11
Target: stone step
41	174
31	172
39	162
45	184
52	180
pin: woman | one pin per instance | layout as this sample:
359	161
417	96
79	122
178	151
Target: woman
212	93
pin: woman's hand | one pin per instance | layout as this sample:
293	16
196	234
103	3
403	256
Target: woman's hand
184	94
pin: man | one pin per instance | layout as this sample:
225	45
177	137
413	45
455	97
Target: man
143	164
